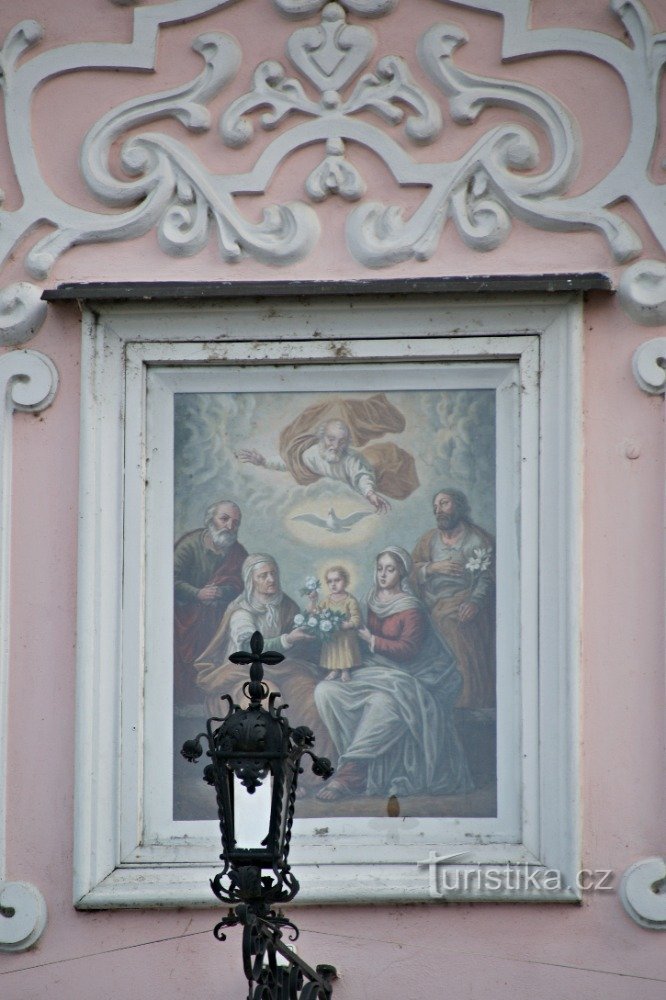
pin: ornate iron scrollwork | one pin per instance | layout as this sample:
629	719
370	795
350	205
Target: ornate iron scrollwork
249	746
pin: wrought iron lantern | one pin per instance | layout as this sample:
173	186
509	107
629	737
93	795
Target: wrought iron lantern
256	758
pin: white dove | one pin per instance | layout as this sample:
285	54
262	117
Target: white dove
332	522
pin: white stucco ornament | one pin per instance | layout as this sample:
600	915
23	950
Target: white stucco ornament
28	381
22	313
642	292
649	365
22	915
364	8
337	76
643	893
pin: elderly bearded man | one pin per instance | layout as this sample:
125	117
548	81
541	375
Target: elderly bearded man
207	576
335	439
454	576
331	458
265	608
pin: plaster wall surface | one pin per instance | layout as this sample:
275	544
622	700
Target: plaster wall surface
540	952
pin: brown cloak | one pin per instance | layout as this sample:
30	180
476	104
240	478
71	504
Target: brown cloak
395	469
195	623
472	642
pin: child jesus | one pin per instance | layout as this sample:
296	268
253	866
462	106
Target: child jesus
341	652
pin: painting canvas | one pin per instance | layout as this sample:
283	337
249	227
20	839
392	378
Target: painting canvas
356	530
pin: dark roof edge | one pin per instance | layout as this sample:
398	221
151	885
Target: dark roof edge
145	291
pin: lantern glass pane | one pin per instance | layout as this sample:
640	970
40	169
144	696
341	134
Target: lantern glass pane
252	814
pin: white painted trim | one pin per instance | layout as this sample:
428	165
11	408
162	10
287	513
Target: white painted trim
28	382
120	341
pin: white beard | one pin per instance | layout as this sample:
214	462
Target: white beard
222	539
330	455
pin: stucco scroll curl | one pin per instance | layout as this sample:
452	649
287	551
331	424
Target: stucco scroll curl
173	188
22	915
28	381
642	893
22	313
639	62
642	292
649	365
19	81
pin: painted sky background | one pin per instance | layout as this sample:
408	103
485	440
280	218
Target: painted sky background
451	434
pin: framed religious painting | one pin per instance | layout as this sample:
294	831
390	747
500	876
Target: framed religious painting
387	488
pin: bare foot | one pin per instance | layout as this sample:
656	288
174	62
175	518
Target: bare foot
333	790
349	780
345	675
332	675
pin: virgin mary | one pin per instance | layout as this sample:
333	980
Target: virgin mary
393	723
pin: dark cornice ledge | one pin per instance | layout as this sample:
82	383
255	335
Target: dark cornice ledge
148	291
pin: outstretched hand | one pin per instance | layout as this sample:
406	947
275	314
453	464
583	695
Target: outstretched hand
381	505
298	634
251	456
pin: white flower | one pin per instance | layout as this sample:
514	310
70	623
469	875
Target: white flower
480	561
311	583
313	622
299	620
326	626
326	613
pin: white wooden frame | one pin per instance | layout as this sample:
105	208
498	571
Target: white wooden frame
126	348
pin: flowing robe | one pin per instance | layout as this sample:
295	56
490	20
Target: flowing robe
472	642
393	469
195	622
396	714
295	678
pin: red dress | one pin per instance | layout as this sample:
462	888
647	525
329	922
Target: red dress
399	636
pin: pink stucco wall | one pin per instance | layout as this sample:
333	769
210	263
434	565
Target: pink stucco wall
552	952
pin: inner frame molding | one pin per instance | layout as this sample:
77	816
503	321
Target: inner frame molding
526	349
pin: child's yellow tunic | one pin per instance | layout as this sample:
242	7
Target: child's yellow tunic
342	650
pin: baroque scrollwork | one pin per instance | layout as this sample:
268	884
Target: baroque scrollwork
329	98
330	56
177	193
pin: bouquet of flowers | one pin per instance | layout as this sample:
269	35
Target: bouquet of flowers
320	624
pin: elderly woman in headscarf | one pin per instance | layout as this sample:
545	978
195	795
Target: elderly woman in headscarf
265	608
393	722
